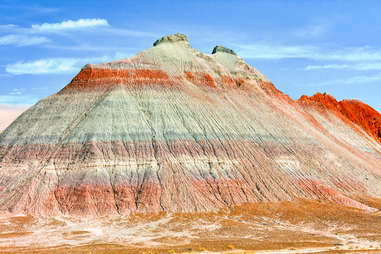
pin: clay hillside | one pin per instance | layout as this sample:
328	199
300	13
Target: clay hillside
177	130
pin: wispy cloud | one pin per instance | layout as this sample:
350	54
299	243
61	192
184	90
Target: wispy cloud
311	31
327	66
70	25
360	79
267	51
16	91
358	67
55	65
29	8
8	26
40	9
271	52
44	66
47	35
17	99
128	32
22	40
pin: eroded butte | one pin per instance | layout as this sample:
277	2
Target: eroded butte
173	133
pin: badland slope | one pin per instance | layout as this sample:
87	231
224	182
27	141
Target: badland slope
177	130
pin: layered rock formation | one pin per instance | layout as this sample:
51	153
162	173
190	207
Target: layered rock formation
365	117
173	129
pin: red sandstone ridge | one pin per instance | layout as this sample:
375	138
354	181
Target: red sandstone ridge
353	110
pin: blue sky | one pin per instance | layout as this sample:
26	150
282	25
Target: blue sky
302	46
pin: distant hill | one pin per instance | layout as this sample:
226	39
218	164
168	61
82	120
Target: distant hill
8	114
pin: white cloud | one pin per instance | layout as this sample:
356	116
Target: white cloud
43	66
271	52
52	65
129	32
350	54
17	99
311	31
361	79
267	51
8	26
16	91
326	66
22	40
70	25
358	67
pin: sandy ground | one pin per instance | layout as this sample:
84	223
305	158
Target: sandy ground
9	113
288	227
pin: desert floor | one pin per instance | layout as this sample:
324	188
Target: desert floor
300	226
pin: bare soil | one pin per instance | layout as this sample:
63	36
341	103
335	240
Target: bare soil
300	226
